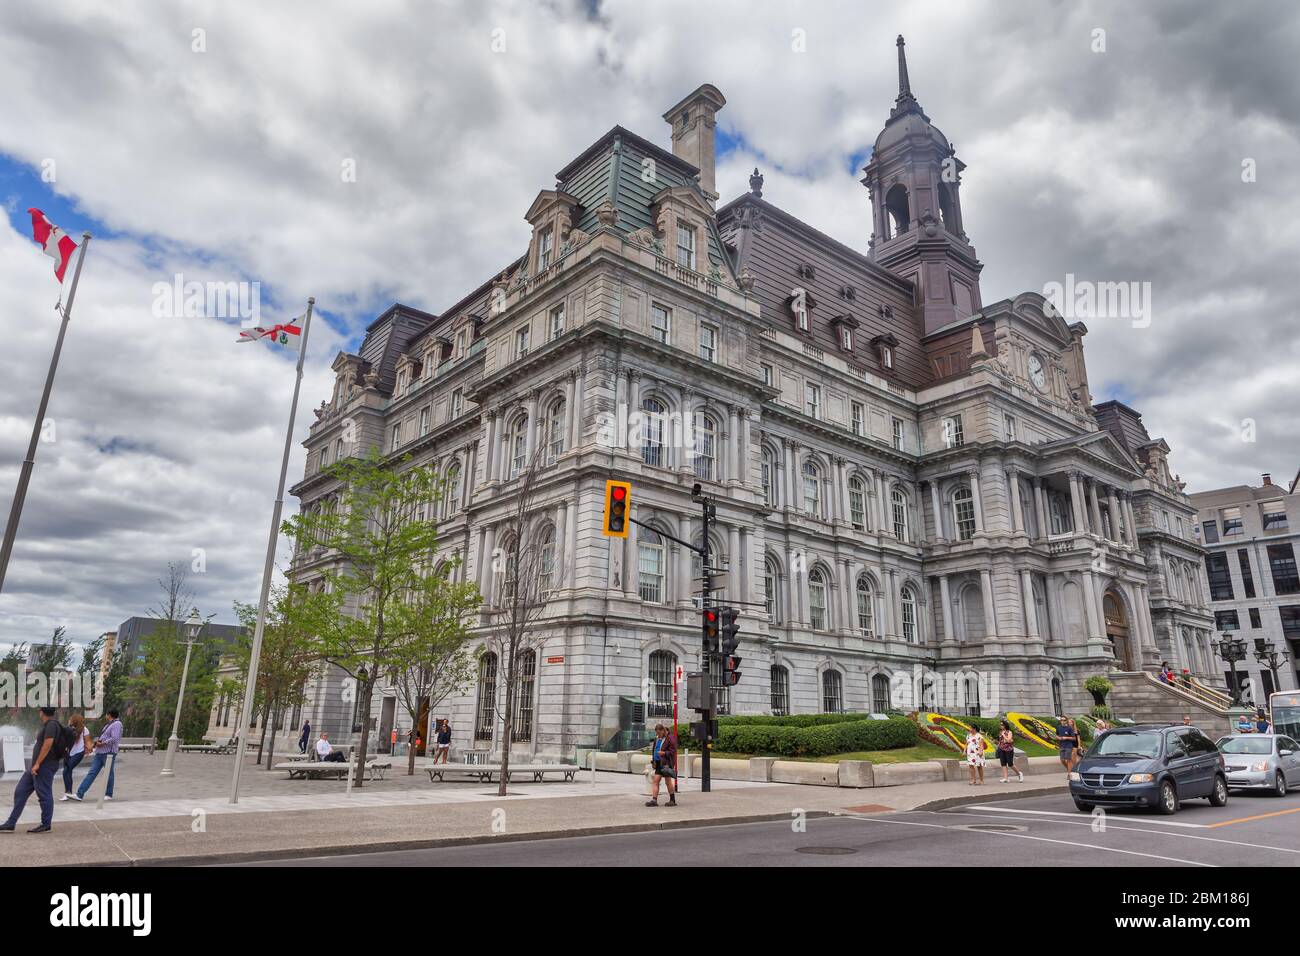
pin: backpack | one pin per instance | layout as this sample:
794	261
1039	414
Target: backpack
65	738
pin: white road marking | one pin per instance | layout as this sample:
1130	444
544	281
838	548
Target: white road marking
1077	814
1025	836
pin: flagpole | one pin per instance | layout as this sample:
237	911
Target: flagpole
25	473
251	683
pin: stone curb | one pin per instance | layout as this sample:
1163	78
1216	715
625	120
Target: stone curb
949	802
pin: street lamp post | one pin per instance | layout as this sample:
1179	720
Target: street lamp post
1232	650
193	627
1271	657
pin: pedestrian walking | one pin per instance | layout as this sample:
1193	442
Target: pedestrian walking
50	746
83	746
105	746
663	758
1007	753
444	742
1067	741
305	737
975	757
1078	742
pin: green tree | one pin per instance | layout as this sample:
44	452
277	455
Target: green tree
152	689
383	543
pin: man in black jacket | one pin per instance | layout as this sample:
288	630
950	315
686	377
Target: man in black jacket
45	761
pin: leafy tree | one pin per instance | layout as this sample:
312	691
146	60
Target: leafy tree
383	543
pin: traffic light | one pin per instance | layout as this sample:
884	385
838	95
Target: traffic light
711	621
618	497
731	672
729	640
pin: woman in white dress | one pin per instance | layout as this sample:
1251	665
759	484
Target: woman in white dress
975	757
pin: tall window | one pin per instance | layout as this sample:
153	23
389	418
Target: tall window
708	343
909	614
557	321
485	712
1231	518
963	513
812	489
517	443
1247	579
661	324
780	691
452	491
898	505
898	433
865	599
685	246
1281	562
457	403
521	728
521	342
650	565
879	694
546	560
1009	425
766	467
545	249
462	343
1216	569
812	400
653	413
769	589
555	430
424	421
832	692
846	338
857	503
663	664
817	599
953	437
858	423
397	437
338	450
706	448
1061	515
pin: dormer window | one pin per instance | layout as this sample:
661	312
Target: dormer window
885	346
801	304
685	246
545	249
886	357
846	338
844	326
462	343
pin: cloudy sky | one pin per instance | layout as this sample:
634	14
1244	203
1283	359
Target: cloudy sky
216	142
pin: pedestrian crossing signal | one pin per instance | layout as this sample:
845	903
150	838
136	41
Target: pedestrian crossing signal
618	497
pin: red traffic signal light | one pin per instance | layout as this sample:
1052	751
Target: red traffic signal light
618	496
710	631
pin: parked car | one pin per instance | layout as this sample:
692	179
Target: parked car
1261	762
1149	766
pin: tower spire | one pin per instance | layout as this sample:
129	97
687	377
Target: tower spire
906	102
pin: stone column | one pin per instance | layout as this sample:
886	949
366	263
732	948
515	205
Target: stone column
938	511
571	409
1094	508
631	575
1090	606
792	498
533	430
1040	508
1112	506
489	459
470	475
1017	509
733	562
571	547
975	500
685	583
743	569
1031	611
842	495
883	524
487	577
1076	502
1132	520
733	464
633	392
990	611
850	596
891	601
949	635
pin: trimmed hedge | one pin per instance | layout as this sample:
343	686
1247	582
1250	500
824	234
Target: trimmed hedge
807	735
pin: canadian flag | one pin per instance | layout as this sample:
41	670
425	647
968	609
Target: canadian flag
288	334
58	245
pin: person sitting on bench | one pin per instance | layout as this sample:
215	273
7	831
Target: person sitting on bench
325	750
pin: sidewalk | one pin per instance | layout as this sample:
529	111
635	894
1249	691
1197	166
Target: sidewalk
279	817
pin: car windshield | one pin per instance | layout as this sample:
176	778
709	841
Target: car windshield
1126	744
1246	745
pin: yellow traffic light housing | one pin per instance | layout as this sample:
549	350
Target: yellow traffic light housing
618	499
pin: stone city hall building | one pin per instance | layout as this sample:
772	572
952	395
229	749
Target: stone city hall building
908	480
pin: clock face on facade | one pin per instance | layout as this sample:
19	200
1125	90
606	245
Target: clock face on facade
1036	373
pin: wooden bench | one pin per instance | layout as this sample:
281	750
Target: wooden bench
337	769
136	743
213	748
485	772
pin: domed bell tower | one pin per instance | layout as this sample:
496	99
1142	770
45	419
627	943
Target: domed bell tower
914	180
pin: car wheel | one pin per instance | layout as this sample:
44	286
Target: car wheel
1083	805
1279	785
1219	795
1168	803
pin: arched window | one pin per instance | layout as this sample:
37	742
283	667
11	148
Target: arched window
780	690
662	666
909	614
817	599
963	513
832	692
770	598
706	448
650	565
545	560
517	445
857	503
865	599
521	721
898	215
972	688
1057	706
452	491
898	503
767	470
653	413
1062	519
812	489
554	430
485	711
879	694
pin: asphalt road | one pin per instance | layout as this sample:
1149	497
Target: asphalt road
1252	830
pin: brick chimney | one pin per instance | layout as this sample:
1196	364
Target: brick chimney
692	122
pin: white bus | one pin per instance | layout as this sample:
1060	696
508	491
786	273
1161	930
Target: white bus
1284	712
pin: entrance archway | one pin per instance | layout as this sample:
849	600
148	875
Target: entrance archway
1117	631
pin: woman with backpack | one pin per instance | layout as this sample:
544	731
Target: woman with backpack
77	753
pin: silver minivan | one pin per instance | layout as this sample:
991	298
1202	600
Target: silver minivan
1261	762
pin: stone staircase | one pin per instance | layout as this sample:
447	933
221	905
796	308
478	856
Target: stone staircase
1140	697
